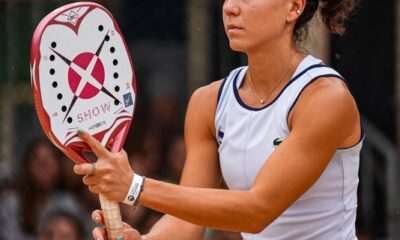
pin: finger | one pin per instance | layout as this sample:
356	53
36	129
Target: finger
83	169
97	216
131	234
91	180
95	188
93	143
99	233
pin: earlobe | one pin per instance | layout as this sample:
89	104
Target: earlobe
293	16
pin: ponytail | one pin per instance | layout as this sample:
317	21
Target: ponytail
334	13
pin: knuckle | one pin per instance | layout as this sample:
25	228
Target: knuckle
114	156
85	180
108	179
102	188
108	168
93	189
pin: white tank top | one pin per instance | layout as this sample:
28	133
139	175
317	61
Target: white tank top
247	136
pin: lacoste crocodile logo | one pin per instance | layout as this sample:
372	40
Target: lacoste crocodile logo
277	141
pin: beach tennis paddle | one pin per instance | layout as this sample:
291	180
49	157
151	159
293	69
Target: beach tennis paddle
82	77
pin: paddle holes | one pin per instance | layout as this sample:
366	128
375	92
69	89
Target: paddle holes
69	120
116	102
53	44
52	57
59	96
115	62
54	84
52	71
116	88
116	75
64	108
101	28
112	49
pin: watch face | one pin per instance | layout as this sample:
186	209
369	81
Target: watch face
82	77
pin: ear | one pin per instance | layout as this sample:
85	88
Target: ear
296	8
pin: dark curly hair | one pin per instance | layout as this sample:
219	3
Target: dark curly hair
333	12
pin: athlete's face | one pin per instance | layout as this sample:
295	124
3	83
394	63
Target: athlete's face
249	24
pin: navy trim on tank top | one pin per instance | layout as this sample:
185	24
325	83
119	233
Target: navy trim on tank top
313	80
236	91
220	89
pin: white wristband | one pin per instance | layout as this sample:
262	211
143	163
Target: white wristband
134	190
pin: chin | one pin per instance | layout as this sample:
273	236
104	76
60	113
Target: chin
237	46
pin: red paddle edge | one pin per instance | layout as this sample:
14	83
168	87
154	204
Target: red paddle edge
74	149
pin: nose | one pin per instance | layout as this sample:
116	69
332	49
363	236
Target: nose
231	8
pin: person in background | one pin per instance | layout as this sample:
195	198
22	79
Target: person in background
35	193
61	226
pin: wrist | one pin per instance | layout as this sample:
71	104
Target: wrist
134	190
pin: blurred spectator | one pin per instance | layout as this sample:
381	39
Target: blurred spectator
35	193
61	226
147	157
72	183
176	156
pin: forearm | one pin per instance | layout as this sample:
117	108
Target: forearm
240	211
169	227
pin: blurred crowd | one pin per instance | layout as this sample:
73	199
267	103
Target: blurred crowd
45	200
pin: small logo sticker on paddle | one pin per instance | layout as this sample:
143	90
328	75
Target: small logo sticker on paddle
128	99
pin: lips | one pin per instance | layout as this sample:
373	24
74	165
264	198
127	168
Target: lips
232	27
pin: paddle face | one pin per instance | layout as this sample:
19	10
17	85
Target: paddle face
82	78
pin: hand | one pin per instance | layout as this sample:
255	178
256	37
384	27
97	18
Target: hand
111	175
99	233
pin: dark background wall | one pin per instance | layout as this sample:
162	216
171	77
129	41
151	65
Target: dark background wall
365	57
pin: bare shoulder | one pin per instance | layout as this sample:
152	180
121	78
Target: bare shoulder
327	89
207	93
202	106
328	103
204	99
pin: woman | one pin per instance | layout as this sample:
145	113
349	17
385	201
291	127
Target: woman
284	133
61	225
36	193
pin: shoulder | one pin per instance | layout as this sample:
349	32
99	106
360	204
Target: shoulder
61	200
9	197
10	203
210	93
328	91
327	106
205	98
202	106
207	93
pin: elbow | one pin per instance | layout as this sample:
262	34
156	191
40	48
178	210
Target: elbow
257	226
259	220
260	216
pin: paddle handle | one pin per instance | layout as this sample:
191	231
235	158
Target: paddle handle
112	217
111	211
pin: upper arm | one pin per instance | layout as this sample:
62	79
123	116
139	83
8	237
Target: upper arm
202	165
324	118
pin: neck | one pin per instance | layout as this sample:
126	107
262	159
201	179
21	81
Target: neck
271	66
